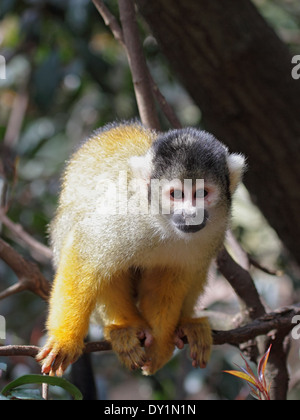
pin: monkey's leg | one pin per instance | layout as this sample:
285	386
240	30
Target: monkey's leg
160	300
72	301
124	326
197	330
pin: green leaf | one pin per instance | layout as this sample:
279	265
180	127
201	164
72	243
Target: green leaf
40	379
26	394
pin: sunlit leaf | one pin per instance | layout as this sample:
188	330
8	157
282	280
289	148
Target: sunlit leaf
241	375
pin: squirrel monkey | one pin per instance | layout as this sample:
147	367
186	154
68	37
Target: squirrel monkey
141	216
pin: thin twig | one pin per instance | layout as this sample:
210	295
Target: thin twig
34	245
110	21
138	66
129	38
116	30
45	391
28	273
16	119
266	270
164	105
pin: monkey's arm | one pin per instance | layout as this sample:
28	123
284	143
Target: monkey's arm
72	301
124	326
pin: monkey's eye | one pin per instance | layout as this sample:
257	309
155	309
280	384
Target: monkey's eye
177	194
201	193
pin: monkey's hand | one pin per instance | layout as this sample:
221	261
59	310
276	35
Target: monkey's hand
127	342
199	336
56	355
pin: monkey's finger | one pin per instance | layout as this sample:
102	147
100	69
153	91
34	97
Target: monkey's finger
180	332
60	365
133	358
147	336
61	370
48	362
137	360
42	354
179	343
141	335
51	372
200	357
58	361
195	364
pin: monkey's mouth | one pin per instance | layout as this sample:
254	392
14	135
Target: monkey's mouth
187	224
191	228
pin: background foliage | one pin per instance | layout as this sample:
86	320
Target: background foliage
75	78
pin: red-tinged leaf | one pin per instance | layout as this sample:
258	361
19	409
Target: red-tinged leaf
257	384
255	394
262	366
250	372
242	375
248	368
247	372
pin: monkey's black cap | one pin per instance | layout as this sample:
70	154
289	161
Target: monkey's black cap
189	154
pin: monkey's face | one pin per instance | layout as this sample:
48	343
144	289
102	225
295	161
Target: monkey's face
186	205
191	178
194	163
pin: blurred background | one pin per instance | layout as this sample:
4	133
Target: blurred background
66	76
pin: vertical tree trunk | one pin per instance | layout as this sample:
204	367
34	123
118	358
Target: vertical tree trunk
239	72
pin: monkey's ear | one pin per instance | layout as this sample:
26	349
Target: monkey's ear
141	166
237	166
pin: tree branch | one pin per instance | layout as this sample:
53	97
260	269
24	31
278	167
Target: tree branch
110	21
44	253
279	321
138	66
116	30
242	283
28	273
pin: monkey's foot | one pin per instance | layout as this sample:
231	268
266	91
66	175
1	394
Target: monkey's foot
158	354
127	343
55	356
199	336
